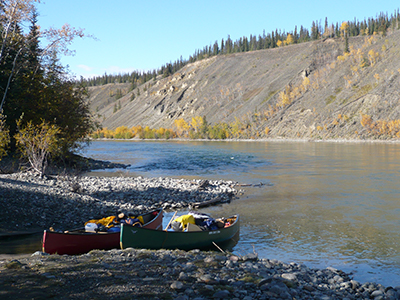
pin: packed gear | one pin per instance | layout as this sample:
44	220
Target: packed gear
112	223
180	223
200	220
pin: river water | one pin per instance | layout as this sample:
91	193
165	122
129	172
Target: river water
320	203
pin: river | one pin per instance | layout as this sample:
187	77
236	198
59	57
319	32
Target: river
320	203
323	204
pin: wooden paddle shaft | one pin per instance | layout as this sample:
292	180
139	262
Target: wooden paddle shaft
170	220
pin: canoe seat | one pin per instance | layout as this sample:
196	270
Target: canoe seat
193	227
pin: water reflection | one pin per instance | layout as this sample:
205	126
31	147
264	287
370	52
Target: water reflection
21	244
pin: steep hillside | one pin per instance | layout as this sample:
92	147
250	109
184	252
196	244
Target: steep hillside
309	90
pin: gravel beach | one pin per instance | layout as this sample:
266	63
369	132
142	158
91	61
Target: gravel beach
165	274
30	203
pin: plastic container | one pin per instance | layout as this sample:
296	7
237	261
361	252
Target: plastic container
91	227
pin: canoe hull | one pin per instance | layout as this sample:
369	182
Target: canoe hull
79	242
144	238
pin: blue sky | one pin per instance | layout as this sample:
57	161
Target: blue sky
146	34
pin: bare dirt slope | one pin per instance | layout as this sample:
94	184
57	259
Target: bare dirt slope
248	85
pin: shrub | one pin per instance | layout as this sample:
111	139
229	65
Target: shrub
4	137
37	143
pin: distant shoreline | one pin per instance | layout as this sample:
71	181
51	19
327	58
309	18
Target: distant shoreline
353	141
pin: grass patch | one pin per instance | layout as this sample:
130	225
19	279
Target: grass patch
13	265
338	90
144	255
250	279
251	94
269	96
213	264
330	99
362	91
199	263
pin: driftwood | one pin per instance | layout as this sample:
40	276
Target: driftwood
205	203
203	184
250	184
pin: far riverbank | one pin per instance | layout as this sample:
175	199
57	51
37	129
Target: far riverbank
388	141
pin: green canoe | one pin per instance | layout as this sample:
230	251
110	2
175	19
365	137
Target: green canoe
144	238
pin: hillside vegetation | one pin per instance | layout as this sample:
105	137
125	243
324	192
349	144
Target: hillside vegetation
311	90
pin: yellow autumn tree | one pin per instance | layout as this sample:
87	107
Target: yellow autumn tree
37	143
284	99
148	133
196	123
289	39
122	132
107	133
160	132
305	84
372	57
366	121
137	130
4	136
182	127
344	28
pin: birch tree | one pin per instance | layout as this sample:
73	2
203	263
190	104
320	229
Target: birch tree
14	13
32	81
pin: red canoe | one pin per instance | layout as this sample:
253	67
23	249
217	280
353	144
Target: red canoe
79	241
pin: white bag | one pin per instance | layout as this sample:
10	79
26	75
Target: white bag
91	227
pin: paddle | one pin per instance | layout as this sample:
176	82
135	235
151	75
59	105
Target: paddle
170	220
215	244
72	230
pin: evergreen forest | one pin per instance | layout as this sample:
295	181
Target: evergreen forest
278	38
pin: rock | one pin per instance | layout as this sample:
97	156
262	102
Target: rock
250	256
183	276
177	285
392	294
233	258
39	253
308	288
224	294
376	294
289	276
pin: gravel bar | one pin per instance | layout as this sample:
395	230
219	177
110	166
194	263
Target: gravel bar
29	202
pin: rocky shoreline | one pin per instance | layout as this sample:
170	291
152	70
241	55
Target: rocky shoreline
29	202
166	274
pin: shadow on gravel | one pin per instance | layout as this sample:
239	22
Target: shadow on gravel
32	207
19	182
